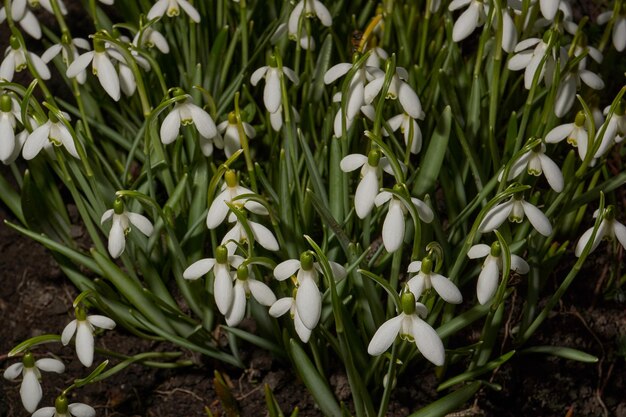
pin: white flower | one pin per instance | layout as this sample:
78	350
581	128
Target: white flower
262	235
230	191
272	93
514	210
536	162
355	96
549	8
530	60
16	59
63	409
101	66
27	20
121	226
398	89
276	118
308	299
412	328
609	229
377	58
53	132
576	134
469	20
619	28
223	282
288	304
394	227
488	279
151	38
371	168
246	285
566	93
308	9
67	51
172	8
30	390
409	128
427	279
614	132
230	131
10	114
186	113
83	326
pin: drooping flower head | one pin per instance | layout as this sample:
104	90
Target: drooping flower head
63	409
575	133
84	327
121	226
536	162
171	8
610	229
10	114
101	66
245	286
232	137
16	59
426	279
515	209
273	74
53	132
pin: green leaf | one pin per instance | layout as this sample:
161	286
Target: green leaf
563	352
433	159
321	66
92	376
449	403
34	341
489	366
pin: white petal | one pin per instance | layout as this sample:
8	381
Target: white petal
107	76
339	272
428	342
353	161
385	336
478	251
7	144
68	332
457	4
276	119
559	133
79	64
80	409
487	281
549	8
446	289
190	10
552	173
620	232
264	237
604	17
372	89
141	222
238	309
519	265
261	292
286	269
281	306
30	24
382	198
355	99
495	217
416	285
414	266
336	71
170	127
218	210
309	303
158	9
520	60
67	140
466	23
533	66
366	193
509	33
322	13
301	330
102	322
526	43
117	239
393	227
204	123
294	18
36	141
619	34
582	242
424	212
223	289
536	217
13	371
84	343
50	365
258	75
291	75
40	66
409	100
45	412
591	79
199	268
272	91
30	390
565	96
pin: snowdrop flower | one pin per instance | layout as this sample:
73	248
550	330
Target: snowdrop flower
308	9
377	57
246	285
371	168
488	279
102	67
53	132
576	134
63	409
566	93
262	235
186	113
276	119
172	8
355	96
536	162
398	89
410	326
231	190
223	283
19	141
288	304
614	132
230	131
393	226
68	49
121	226
609	229
83	326
150	38
308	299
469	20
619	28
426	279
530	59
272	94
16	60
30	390
10	114
409	128
514	210
549	8
27	20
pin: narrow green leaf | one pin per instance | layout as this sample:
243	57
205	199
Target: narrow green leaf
34	341
563	352
433	159
449	403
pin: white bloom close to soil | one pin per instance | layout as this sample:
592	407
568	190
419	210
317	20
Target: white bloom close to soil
515	209
262	235
575	133
610	229
101	66
398	89
121	226
230	130
272	93
426	279
16	59
10	114
63	409
245	286
536	162
84	327
53	132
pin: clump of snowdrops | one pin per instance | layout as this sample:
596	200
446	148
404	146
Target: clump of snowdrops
363	180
